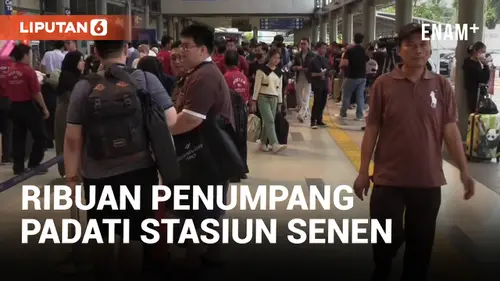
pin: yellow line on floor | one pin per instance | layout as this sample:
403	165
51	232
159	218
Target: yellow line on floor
446	254
346	143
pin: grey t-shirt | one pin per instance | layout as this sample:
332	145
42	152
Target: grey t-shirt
100	169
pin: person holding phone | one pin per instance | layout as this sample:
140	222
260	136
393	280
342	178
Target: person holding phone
319	68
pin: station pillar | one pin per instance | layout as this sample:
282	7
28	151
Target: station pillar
347	24
369	20
2	7
255	32
171	27
62	5
159	26
470	13
102	7
315	33
404	13
322	28
334	26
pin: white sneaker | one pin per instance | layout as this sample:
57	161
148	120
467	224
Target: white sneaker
278	147
359	119
340	117
300	118
263	147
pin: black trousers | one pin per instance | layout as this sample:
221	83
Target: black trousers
413	212
27	117
6	129
50	99
319	103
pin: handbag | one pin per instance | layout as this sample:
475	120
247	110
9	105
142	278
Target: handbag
254	128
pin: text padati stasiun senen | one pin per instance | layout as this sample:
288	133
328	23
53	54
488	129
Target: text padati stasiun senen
208	231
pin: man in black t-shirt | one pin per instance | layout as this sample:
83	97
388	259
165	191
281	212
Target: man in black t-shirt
354	64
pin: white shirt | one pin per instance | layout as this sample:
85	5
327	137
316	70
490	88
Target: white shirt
52	60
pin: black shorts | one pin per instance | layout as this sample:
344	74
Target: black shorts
145	178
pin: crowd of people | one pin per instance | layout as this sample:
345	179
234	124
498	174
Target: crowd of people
204	87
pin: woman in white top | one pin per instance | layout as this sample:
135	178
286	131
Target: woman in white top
267	95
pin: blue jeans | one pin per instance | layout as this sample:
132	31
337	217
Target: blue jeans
350	87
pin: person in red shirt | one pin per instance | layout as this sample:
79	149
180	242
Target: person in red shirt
22	87
218	56
238	83
236	80
5	122
164	54
242	61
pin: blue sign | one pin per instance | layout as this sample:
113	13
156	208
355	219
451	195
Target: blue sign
8	7
281	23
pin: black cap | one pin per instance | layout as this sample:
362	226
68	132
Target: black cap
279	38
410	29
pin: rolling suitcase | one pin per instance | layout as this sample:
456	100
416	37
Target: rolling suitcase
483	137
282	128
291	95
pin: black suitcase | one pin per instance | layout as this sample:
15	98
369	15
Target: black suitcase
282	128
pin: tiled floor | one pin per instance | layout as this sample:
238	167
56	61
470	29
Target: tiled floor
467	246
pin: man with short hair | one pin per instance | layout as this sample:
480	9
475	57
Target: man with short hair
70	46
319	68
204	108
242	61
303	78
52	60
165	53
354	62
412	110
89	149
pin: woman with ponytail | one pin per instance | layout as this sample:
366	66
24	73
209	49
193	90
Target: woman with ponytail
476	71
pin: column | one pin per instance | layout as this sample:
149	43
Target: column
369	20
178	28
62	5
404	13
322	28
171	27
347	22
146	19
314	37
102	8
2	8
159	26
469	12
255	31
334	26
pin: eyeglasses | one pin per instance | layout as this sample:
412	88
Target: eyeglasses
186	47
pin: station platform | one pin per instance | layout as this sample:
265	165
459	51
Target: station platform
467	242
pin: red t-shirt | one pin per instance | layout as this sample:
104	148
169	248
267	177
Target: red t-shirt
238	82
21	83
5	64
164	57
242	63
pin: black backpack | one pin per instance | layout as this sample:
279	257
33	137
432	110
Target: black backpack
114	125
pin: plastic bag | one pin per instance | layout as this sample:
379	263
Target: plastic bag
254	128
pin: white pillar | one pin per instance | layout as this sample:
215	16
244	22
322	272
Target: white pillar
322	29
347	22
404	13
178	28
369	20
470	13
334	26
